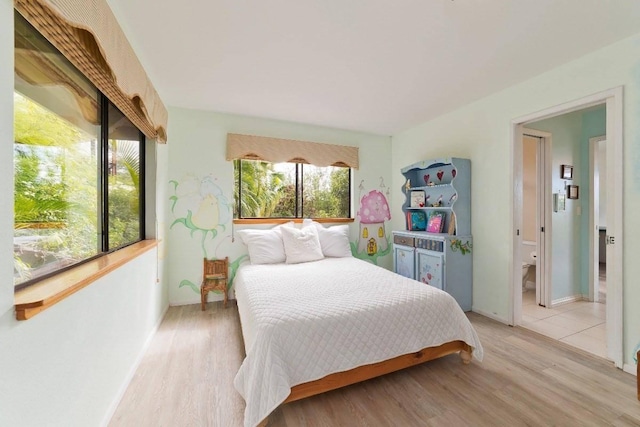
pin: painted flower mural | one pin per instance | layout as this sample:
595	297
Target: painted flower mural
200	206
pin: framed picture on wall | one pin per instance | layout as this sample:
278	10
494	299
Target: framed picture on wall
566	172
572	191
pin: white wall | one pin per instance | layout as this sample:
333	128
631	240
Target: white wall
67	365
481	132
197	152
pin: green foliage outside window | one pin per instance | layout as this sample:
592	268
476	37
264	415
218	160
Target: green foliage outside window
271	190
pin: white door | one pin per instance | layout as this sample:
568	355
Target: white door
597	218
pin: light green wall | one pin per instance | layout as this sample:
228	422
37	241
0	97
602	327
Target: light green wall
68	365
197	147
481	131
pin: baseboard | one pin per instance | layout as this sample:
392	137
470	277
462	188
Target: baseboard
567	300
196	300
125	384
630	369
492	316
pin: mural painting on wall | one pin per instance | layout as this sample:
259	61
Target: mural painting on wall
374	211
199	205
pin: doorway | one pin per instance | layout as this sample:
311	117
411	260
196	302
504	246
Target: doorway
561	196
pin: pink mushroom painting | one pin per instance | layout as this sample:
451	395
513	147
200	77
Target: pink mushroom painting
373	212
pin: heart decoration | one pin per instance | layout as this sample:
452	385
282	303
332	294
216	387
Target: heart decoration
440	174
426	179
453	172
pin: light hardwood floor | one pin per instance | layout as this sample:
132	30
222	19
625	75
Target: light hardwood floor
186	379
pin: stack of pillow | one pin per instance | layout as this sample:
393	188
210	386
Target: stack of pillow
287	243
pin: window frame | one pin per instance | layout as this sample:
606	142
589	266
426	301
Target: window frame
299	196
102	186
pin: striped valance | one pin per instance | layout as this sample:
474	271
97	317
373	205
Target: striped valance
277	150
88	35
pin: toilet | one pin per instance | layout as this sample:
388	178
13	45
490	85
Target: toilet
529	271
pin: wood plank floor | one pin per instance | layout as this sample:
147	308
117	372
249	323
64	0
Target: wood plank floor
526	379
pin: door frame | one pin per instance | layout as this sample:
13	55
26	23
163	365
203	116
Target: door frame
594	234
613	98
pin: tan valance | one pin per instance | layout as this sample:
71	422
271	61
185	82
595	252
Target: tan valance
87	33
276	150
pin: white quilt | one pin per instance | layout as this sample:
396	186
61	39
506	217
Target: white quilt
302	322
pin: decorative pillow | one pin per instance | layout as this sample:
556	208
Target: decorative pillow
301	245
334	240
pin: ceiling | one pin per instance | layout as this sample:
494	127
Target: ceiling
367	65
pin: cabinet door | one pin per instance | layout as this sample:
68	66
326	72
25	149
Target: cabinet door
403	260
430	268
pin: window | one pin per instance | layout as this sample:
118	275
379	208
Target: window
291	190
77	165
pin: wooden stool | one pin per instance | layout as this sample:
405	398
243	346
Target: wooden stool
214	278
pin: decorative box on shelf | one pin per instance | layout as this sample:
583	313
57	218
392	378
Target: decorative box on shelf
435	248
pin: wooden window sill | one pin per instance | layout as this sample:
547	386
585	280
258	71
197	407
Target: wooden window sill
38	297
283	220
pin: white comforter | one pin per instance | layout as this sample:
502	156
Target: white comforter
302	322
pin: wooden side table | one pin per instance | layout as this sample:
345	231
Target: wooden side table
214	278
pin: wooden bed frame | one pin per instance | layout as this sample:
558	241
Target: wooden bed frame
366	372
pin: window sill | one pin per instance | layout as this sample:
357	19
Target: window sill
38	297
283	220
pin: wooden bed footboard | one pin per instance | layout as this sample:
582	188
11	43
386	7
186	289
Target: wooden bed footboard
362	373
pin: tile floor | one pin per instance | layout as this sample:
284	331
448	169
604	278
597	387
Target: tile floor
581	324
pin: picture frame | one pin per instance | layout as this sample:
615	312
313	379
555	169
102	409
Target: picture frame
416	221
417	199
566	172
435	224
573	192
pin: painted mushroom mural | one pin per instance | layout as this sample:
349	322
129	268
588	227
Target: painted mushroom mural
373	212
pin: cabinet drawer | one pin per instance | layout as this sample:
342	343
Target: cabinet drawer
430	245
403	240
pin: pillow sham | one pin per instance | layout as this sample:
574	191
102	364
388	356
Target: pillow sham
265	246
301	245
334	240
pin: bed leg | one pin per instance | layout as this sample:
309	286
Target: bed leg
465	355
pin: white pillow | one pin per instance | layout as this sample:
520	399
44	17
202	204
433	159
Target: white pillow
301	245
265	246
334	241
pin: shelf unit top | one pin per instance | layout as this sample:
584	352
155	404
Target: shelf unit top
433	163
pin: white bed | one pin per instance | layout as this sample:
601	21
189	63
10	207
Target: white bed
302	322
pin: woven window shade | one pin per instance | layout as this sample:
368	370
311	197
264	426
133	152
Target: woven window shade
88	35
276	150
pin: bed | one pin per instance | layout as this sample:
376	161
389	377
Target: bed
316	326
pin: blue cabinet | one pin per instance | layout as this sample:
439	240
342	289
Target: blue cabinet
403	261
435	247
430	268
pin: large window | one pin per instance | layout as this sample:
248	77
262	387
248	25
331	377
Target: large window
291	190
77	165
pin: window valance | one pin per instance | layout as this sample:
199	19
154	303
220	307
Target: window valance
277	150
87	33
